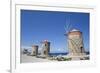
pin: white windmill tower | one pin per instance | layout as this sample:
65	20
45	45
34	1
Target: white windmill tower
45	48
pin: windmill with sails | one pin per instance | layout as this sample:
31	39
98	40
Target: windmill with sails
74	40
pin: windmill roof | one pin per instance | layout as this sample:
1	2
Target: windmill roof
74	30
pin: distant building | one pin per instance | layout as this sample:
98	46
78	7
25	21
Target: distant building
25	51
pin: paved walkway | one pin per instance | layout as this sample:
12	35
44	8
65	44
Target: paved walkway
32	59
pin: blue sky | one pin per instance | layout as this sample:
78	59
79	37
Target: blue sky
37	26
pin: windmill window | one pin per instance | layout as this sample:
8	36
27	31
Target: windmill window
45	44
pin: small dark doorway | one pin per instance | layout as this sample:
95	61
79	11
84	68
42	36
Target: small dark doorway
81	48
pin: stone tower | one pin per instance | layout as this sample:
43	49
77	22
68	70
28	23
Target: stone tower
75	43
45	48
34	50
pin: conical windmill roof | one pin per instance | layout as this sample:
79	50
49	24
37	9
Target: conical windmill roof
74	30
